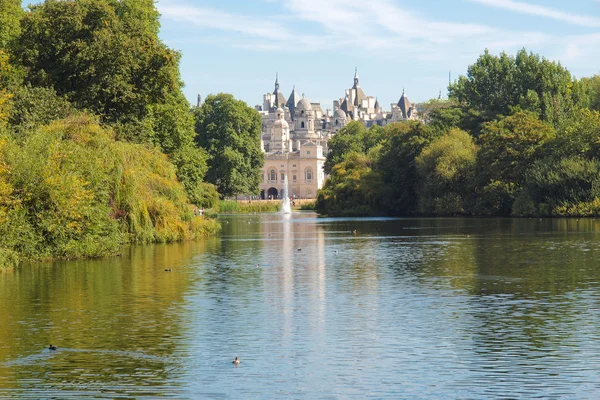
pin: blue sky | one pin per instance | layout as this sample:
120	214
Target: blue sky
237	46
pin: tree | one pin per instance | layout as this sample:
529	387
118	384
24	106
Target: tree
230	132
561	186
354	137
7	78
494	85
105	56
140	17
4	107
34	106
468	119
352	189
191	164
102	55
10	15
592	86
447	170
405	141
509	146
578	136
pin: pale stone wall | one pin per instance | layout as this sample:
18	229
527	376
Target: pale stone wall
304	170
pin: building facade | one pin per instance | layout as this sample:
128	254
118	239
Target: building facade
296	154
295	133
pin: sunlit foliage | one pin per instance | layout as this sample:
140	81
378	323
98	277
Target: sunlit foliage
70	190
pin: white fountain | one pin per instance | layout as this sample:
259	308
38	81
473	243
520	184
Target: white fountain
286	207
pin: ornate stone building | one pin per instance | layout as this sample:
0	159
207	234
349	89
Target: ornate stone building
296	154
295	133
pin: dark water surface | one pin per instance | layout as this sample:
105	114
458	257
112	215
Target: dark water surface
409	308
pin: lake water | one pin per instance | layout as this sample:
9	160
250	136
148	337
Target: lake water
316	308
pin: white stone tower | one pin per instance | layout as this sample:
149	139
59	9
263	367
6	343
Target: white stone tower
304	120
280	133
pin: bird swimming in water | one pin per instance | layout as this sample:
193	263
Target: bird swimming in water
168	270
236	361
52	347
299	249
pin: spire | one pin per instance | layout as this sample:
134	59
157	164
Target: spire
440	95
199	103
276	92
292	101
355	76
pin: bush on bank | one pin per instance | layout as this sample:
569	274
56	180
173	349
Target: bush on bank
70	190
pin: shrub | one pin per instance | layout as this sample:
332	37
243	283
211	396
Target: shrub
69	190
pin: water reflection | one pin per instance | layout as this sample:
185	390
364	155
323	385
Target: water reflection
112	320
316	307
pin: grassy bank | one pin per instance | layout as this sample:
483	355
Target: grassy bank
261	206
245	207
305	205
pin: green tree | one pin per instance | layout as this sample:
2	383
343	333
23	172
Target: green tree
405	141
509	146
443	119
105	56
592	85
10	15
578	136
494	85
7	79
102	55
561	187
447	170
353	188
191	164
33	106
354	137
230	132
140	17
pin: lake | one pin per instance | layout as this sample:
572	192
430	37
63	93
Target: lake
316	308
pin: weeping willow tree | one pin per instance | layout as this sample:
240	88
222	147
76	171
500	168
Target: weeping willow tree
70	190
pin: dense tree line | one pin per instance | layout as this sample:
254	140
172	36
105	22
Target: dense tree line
98	145
519	136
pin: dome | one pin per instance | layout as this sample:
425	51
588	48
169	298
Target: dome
281	124
339	113
279	110
304	105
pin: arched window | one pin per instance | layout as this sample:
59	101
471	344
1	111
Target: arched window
272	175
308	175
337	121
301	124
